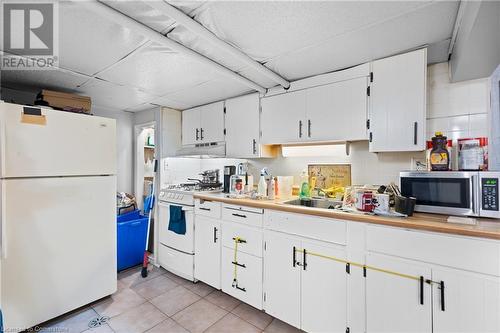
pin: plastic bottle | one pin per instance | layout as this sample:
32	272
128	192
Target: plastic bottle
304	186
262	186
272	188
439	156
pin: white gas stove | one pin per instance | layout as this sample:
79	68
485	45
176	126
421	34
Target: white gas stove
182	194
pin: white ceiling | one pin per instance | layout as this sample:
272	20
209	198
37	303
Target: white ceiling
123	70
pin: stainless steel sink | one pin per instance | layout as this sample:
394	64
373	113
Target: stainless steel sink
316	203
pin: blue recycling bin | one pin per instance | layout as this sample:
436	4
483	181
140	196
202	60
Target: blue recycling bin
131	238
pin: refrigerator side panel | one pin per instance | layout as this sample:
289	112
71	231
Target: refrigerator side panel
61	246
55	143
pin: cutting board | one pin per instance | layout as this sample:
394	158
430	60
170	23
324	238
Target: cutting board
328	175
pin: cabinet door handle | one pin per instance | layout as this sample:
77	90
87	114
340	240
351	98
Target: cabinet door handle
203	208
300	128
441	286
240	215
304	264
240	240
238	264
215	234
294	257
415	133
421	286
309	127
197	134
254	146
201	133
242	289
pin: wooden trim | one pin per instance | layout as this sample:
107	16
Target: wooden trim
486	228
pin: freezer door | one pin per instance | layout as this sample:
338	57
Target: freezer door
56	143
58	247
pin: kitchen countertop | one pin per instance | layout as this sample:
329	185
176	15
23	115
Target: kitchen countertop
485	228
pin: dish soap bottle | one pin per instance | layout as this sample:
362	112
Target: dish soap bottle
304	186
262	186
439	156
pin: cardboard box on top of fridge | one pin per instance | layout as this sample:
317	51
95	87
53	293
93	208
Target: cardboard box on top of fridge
65	101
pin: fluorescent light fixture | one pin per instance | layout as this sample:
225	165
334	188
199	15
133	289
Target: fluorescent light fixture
315	150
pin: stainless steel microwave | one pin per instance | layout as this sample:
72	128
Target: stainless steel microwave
469	193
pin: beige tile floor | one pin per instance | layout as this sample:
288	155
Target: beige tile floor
166	303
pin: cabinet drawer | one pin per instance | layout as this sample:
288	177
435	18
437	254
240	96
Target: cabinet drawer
208	208
241	214
249	277
323	229
478	255
251	236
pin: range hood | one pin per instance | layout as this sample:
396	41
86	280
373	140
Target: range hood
203	150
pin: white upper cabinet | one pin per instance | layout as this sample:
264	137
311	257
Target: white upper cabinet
337	111
283	118
191	126
398	103
243	128
203	124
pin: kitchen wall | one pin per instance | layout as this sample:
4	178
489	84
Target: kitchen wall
457	109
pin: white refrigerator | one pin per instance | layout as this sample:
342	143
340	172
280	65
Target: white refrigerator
58	215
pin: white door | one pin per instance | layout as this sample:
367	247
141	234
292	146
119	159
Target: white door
212	122
283	118
63	144
471	301
393	303
183	243
243	126
207	251
338	111
58	246
191	126
324	290
282	277
398	103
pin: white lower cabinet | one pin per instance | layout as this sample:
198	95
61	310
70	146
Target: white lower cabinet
395	303
469	302
282	277
207	266
241	276
303	289
324	290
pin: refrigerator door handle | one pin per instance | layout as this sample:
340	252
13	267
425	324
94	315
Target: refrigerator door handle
3	229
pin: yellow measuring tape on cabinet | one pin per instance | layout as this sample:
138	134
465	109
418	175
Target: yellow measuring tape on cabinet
412	277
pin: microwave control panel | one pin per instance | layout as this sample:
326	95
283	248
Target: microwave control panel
489	194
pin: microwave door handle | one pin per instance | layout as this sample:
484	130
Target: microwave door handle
474	193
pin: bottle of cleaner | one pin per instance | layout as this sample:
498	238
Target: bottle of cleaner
304	186
272	189
262	186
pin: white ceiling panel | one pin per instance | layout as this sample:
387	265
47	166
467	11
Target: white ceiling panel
54	79
168	102
88	42
142	12
158	70
428	25
114	96
207	92
265	30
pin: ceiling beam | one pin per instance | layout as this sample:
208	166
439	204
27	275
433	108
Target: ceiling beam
198	29
118	17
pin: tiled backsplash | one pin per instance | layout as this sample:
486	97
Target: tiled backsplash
459	110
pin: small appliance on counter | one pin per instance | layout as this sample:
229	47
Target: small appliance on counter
463	193
229	170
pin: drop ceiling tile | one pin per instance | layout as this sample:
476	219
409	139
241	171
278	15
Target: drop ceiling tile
207	92
158	70
53	79
89	42
141	11
141	107
265	30
114	96
168	102
428	25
